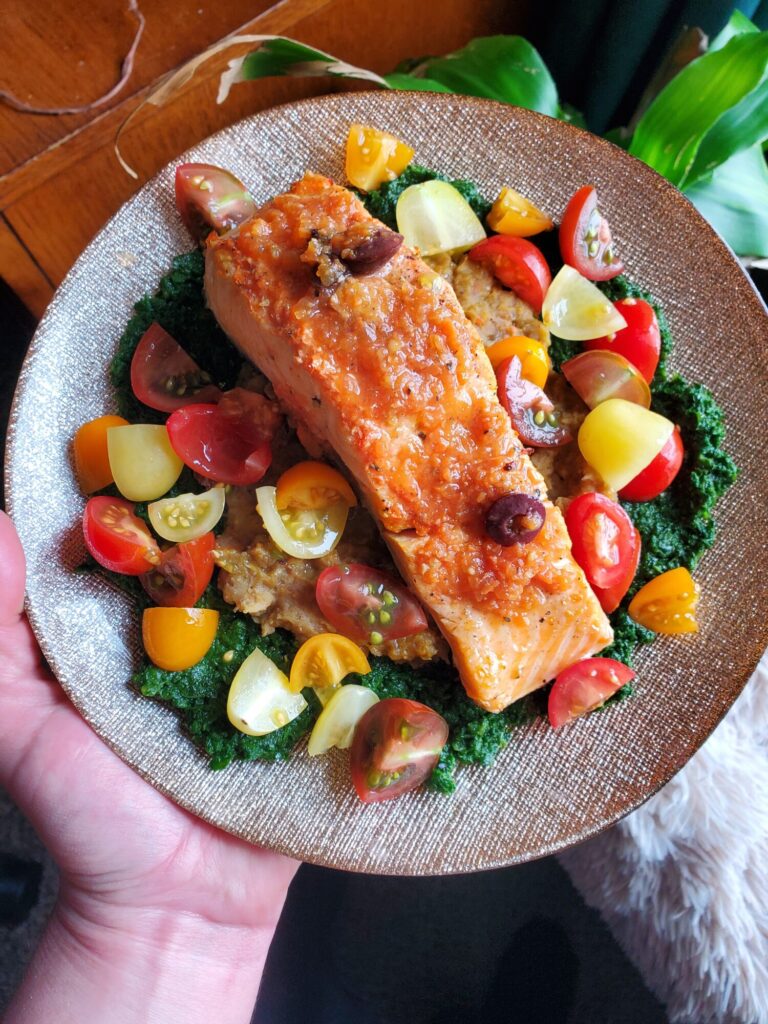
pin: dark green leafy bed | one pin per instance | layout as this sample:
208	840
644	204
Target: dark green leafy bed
676	529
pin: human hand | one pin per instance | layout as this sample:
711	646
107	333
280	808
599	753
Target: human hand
134	866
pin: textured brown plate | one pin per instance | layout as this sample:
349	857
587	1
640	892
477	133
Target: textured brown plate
548	789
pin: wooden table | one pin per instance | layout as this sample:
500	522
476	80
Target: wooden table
59	177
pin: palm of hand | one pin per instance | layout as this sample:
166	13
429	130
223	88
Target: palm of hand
117	841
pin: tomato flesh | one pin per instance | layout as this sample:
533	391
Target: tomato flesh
228	442
117	538
639	342
585	238
178	638
611	597
164	377
582	687
367	605
657	475
182	573
518	265
533	415
603	538
208	198
396	745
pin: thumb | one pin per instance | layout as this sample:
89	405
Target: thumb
12	572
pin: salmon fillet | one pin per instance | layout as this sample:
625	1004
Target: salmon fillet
384	372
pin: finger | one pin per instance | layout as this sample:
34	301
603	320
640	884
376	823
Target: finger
12	572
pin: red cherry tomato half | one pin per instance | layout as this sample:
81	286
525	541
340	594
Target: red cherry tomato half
228	442
533	415
518	265
585	238
639	342
582	687
182	574
164	377
603	539
657	475
611	597
209	199
117	538
396	745
367	605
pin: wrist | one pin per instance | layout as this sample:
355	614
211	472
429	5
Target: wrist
130	965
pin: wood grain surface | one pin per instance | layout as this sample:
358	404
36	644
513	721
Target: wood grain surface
59	177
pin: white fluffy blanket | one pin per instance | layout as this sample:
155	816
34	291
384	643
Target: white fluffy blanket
683	881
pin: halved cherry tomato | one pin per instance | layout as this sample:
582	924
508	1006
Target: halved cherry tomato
209	199
313	485
518	265
657	475
301	532
668	603
164	377
513	214
575	308
343	709
533	415
260	700
177	638
142	460
373	157
396	745
182	574
639	341
604	539
91	456
534	359
582	687
367	605
228	442
585	238
324	660
117	538
619	439
599	375
187	516
611	597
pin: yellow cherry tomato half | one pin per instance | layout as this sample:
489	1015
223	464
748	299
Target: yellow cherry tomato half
336	724
434	217
667	604
91	456
313	485
373	157
260	699
142	461
533	357
177	638
513	214
324	660
575	308
301	533
187	516
620	438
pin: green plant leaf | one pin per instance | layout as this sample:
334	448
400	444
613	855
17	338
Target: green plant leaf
737	24
735	202
403	80
505	68
715	107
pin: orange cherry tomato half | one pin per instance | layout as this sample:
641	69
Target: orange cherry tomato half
209	198
517	264
639	341
178	638
582	687
117	538
657	475
513	214
164	377
313	485
182	574
324	660
667	604
396	745
533	356
585	238
90	451
604	539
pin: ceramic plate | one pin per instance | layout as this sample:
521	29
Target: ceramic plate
548	789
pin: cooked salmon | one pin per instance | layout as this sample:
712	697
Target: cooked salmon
383	371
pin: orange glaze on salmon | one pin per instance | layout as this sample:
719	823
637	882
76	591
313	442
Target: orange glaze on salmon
386	372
